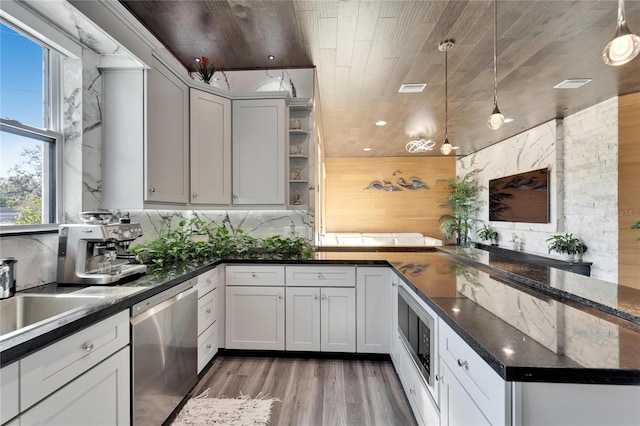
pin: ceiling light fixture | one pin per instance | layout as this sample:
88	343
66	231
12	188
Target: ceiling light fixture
420	144
196	59
271	57
381	123
446	147
496	119
625	45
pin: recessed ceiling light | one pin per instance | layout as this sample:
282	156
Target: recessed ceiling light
412	88
367	149
271	57
196	59
572	83
508	120
381	123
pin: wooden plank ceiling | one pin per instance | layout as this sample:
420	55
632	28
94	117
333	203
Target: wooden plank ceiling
364	51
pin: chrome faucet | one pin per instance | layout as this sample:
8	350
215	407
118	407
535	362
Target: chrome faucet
7	277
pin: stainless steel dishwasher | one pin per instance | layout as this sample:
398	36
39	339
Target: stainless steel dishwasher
164	355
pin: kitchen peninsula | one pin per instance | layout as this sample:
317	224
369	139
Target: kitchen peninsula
525	343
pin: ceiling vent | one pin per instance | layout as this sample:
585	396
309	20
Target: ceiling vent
412	88
572	83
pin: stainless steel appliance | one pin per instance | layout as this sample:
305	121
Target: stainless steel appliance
7	277
416	329
96	253
164	352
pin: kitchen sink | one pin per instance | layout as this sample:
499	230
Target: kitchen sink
24	312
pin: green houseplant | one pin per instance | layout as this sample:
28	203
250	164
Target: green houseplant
567	244
463	204
196	240
488	234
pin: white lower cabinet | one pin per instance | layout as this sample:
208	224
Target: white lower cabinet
9	392
321	319
101	396
373	310
255	318
424	407
208	315
457	407
489	393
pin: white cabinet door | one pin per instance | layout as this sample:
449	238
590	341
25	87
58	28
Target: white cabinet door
259	137
210	148
9	392
456	406
373	310
255	318
303	319
101	396
123	130
338	320
167	143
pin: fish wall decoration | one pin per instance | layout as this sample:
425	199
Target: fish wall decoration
412	184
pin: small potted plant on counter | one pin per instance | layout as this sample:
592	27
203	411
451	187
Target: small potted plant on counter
517	242
488	234
567	244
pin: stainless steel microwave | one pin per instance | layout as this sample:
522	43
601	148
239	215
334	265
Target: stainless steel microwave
416	329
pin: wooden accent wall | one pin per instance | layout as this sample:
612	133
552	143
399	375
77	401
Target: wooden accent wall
352	208
629	190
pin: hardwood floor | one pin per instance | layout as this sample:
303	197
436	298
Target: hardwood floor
314	392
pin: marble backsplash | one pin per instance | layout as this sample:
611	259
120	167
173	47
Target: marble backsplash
37	253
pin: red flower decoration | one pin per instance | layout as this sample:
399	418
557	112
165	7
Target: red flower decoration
205	69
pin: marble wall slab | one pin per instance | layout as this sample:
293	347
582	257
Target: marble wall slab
581	152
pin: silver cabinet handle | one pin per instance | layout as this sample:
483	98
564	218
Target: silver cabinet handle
463	364
152	189
393	284
209	280
195	194
315	297
279	297
235	196
412	391
320	276
324	297
253	275
439	378
208	310
87	347
209	346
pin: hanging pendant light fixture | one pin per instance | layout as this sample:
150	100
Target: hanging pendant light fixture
446	147
496	119
625	45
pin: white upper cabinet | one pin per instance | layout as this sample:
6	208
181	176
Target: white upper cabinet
259	140
167	142
210	117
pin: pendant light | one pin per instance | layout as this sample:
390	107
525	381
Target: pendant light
496	119
625	45
446	147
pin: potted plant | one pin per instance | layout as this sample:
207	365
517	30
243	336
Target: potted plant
567	244
517	241
488	233
463	203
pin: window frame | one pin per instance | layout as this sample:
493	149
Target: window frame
53	123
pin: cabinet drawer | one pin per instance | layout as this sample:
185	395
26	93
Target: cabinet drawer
254	275
207	345
54	366
9	391
479	380
207	282
321	276
207	312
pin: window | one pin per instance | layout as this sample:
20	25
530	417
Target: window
29	139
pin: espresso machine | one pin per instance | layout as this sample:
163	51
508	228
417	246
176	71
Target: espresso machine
95	253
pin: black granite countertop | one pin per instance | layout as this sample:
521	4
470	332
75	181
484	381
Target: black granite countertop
523	333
